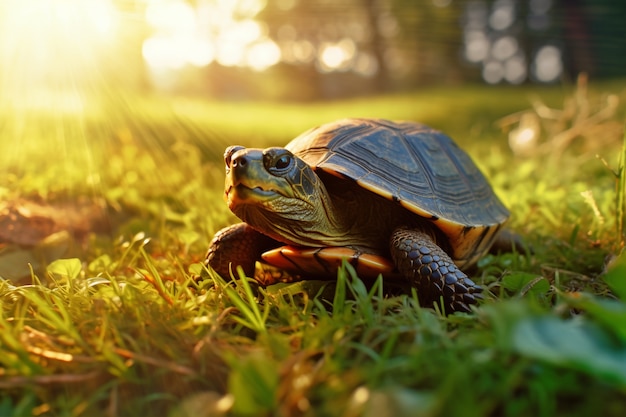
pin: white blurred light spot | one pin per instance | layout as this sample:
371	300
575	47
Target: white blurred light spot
476	46
504	48
493	72
360	395
263	55
230	54
175	52
221	30
503	14
524	139
243	32
526	135
333	56
337	56
224	404
515	70
548	64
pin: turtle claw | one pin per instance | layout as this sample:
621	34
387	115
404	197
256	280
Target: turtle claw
460	307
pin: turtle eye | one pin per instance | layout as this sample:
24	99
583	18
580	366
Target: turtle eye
283	162
278	162
228	154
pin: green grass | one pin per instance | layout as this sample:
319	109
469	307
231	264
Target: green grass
112	323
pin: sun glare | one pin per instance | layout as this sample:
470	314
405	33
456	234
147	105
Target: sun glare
337	56
223	31
263	55
51	45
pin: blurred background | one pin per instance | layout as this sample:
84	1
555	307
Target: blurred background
301	50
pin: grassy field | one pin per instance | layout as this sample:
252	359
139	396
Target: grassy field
107	207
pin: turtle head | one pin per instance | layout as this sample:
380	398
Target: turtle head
278	194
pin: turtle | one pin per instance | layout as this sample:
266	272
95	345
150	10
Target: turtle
396	198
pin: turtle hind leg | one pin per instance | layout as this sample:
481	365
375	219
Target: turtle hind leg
235	245
431	270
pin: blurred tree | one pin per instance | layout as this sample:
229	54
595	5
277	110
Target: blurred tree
365	46
327	40
338	48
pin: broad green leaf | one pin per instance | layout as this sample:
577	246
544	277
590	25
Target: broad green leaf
523	283
68	268
579	345
609	312
196	269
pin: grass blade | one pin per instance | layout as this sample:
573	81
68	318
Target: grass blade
252	318
621	193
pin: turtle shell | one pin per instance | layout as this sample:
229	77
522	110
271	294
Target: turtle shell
413	165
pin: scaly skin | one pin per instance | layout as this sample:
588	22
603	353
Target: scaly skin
432	271
235	245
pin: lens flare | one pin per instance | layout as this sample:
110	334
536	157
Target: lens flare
56	58
52	44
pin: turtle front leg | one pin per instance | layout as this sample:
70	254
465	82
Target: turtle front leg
432	271
234	245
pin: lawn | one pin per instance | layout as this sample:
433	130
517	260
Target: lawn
107	206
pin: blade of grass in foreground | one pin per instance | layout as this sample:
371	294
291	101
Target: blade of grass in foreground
52	311
248	305
621	193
